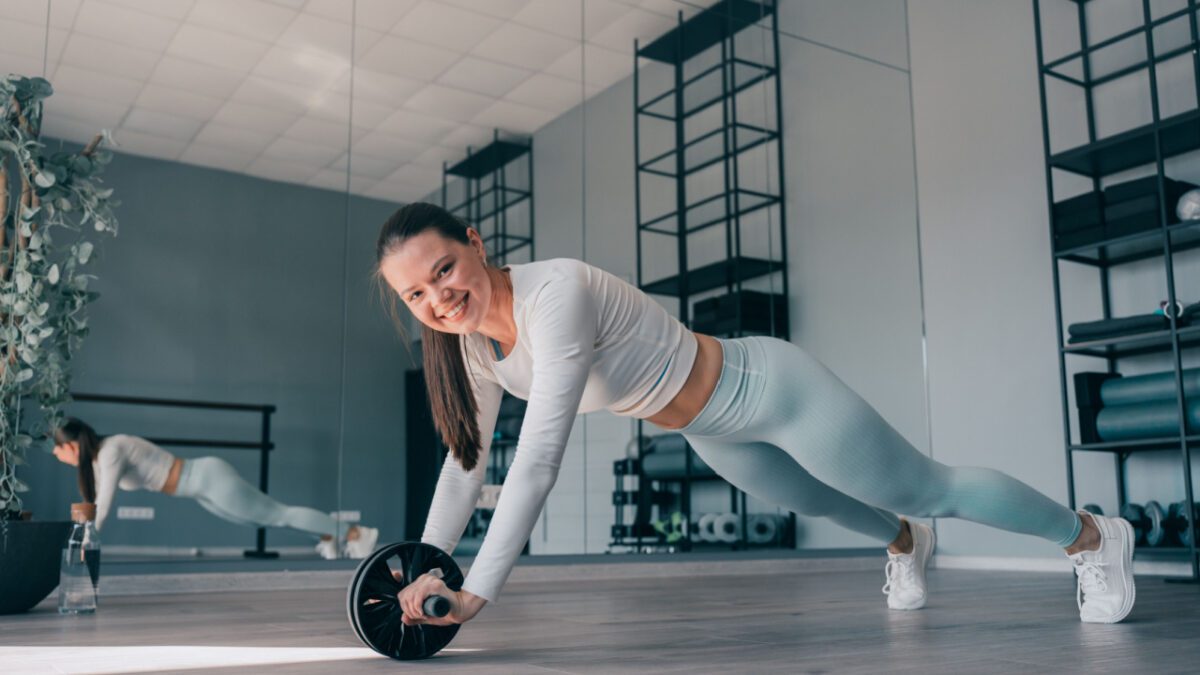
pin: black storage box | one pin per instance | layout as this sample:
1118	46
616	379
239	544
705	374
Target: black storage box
1133	206
719	315
1078	221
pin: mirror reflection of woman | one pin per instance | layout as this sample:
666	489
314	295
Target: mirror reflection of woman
761	412
133	463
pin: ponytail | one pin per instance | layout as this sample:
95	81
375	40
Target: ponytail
74	429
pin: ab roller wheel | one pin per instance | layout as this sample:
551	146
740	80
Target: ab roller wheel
374	610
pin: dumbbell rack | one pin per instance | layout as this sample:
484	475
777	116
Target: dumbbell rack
1085	70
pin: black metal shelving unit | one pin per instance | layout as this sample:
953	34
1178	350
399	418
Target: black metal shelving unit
497	199
1157	39
701	136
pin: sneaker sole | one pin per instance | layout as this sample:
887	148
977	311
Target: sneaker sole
1127	555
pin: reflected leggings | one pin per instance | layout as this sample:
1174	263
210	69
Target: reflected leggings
219	489
783	428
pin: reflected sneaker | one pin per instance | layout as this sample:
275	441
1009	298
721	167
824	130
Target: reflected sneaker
1105	592
364	545
327	549
905	572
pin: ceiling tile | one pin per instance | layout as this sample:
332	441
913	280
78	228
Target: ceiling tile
387	146
503	9
147	145
283	96
294	4
376	14
23	65
318	33
392	192
553	16
161	124
310	68
216	157
415	126
635	24
436	156
407	58
485	77
167	9
98	112
109	57
595	63
62	12
464	136
263	120
336	107
253	19
178	102
101	86
513	117
445	25
28	40
239	139
377	87
329	179
547	92
315	130
125	26
455	104
197	77
520	46
293	150
235	53
417	175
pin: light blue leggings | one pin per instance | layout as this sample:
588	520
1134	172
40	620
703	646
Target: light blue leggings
786	430
219	489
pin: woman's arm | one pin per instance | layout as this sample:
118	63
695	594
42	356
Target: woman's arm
458	489
562	329
110	463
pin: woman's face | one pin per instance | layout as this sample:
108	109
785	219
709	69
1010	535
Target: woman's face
444	283
67	453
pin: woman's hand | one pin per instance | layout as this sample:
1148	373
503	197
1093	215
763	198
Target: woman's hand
463	604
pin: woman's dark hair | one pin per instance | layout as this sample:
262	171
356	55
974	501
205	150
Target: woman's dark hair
451	396
74	429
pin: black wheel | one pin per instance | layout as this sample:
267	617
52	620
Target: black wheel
374	610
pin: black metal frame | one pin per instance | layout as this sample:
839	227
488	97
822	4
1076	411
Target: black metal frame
263	445
713	27
490	205
1149	144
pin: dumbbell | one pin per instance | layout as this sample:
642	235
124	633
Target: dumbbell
374	609
1177	522
1147	522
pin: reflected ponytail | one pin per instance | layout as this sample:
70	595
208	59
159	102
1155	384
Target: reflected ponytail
75	429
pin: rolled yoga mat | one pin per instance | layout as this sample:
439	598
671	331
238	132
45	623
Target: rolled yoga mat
727	527
1142	389
1145	420
704	527
761	528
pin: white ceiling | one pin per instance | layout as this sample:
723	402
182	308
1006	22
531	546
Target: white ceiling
262	87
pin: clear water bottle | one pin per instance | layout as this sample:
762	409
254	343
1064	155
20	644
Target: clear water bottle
80	578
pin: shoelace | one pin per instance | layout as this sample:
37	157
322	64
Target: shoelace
1091	579
896	571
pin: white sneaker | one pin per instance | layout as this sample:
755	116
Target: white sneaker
364	545
327	549
1105	592
905	572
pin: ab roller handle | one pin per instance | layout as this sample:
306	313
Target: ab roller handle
436	606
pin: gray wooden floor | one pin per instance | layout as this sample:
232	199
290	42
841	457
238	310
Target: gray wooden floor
976	622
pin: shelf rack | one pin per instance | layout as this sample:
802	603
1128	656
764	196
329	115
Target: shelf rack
493	193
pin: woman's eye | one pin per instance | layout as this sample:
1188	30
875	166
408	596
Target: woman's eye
413	296
445	269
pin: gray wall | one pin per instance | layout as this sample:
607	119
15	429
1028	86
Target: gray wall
993	370
225	287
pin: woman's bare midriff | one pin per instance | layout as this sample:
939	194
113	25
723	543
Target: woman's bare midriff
172	483
698	388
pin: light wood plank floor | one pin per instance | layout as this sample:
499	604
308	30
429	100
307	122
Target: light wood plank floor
976	622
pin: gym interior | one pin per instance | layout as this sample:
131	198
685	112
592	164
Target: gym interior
978	214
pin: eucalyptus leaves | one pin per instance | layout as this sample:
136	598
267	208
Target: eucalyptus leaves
43	289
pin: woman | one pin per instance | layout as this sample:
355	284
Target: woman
761	412
137	464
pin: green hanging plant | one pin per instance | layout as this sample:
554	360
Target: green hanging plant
50	205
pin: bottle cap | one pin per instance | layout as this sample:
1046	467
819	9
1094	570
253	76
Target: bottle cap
83	511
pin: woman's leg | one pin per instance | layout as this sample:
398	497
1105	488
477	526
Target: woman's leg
216	485
774	476
843	442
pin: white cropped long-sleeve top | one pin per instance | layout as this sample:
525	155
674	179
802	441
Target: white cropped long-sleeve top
586	341
131	462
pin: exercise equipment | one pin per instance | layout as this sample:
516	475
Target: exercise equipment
671	528
727	527
1146	420
705	527
761	528
1092	508
1140	389
374	609
1147	522
1177	522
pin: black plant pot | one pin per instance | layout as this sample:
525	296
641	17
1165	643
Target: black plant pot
29	562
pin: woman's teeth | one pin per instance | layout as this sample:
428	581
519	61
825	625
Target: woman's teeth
457	308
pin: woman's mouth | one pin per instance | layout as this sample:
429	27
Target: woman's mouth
458	311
